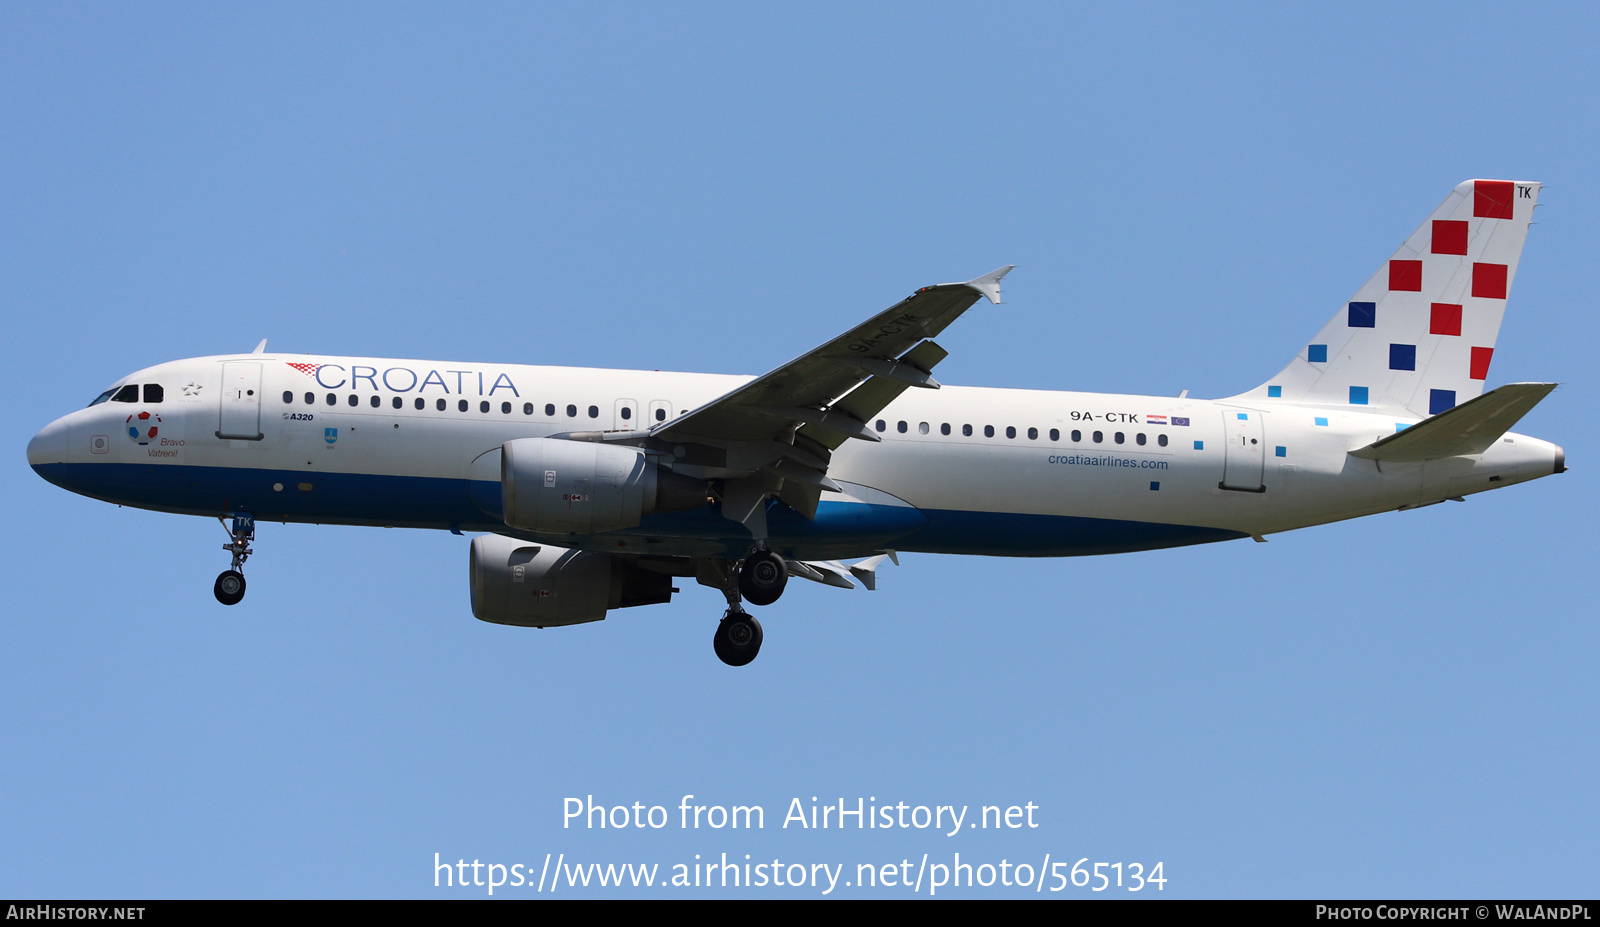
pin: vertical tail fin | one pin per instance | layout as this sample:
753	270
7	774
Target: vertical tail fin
1418	337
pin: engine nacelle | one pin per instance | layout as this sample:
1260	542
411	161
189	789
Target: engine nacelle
557	486
543	586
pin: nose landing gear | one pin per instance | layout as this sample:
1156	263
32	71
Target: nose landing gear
229	588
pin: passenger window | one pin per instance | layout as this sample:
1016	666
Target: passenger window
1033	434
288	397
439	405
1119	437
333	400
879	425
397	402
1098	437
420	404
1139	439
461	405
594	411
129	393
1011	431
354	400
661	415
527	408
572	411
483	405
505	408
922	428
377	401
1077	436
549	410
627	413
1161	440
944	429
901	427
988	431
1055	434
966	430
311	399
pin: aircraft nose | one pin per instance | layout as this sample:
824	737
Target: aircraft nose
49	446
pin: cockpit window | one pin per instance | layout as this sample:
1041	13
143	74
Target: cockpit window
152	392
103	396
129	393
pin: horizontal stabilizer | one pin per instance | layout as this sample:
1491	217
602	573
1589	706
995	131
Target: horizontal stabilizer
1470	428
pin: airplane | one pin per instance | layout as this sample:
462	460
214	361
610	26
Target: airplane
591	490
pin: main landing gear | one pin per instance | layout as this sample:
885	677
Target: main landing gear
229	588
761	578
738	638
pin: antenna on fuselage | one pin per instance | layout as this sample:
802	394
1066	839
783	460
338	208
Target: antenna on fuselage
261	348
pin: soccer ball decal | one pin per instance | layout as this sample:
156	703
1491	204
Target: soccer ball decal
143	427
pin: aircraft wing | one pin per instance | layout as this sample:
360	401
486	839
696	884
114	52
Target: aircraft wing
807	390
782	427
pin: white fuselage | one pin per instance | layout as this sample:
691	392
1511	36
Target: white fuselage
330	439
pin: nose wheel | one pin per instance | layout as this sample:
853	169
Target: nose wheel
229	588
738	638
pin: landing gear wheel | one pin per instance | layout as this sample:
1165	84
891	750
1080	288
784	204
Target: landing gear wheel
230	587
738	639
762	578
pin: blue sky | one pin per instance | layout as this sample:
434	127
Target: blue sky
1403	705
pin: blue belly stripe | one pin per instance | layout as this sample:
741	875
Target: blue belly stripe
1010	534
841	529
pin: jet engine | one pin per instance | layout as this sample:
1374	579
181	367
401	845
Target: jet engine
557	486
543	586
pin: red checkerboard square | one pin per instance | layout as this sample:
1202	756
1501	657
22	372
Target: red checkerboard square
1449	236
1491	199
1405	275
1446	319
1480	363
1489	281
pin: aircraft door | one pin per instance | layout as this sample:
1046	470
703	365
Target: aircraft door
1245	450
660	412
625	417
240	412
